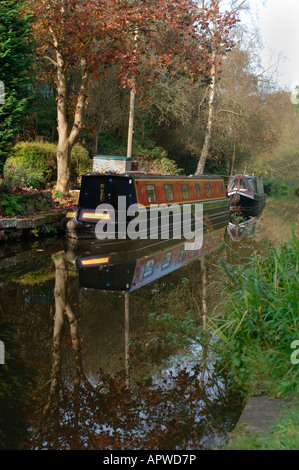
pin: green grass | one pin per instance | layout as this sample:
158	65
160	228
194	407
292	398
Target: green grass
258	321
283	435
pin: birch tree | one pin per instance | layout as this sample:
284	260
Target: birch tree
220	22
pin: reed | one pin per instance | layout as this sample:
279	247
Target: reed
257	321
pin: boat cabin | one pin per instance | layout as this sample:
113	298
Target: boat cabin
146	190
246	184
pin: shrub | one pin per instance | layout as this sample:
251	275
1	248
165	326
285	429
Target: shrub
155	160
9	204
278	188
80	162
34	164
37	155
18	176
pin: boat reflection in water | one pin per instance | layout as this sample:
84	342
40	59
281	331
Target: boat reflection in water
238	232
129	270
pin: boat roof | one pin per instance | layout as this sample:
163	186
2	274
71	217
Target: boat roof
248	177
140	174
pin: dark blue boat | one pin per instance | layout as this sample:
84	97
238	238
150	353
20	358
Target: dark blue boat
246	195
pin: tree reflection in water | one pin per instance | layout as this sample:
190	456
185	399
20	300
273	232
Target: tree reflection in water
184	406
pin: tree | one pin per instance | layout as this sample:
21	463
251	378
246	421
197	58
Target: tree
107	96
219	24
235	107
89	35
16	48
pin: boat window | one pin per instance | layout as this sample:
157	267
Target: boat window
252	184
166	260
235	183
208	189
149	267
198	190
151	193
230	180
242	184
185	190
168	192
102	192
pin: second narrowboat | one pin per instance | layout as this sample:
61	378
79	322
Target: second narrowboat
246	195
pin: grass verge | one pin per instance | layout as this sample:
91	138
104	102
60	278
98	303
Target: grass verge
256	330
283	435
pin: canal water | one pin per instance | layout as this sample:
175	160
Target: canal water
102	349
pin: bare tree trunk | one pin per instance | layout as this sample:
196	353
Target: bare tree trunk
66	138
132	109
63	163
206	145
233	158
96	143
63	151
131	123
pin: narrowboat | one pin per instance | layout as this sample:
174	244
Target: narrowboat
126	271
111	201
246	195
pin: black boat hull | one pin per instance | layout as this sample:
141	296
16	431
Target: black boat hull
245	206
215	215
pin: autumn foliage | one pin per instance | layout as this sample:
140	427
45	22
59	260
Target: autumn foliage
103	32
141	38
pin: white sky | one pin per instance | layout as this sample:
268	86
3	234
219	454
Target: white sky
278	21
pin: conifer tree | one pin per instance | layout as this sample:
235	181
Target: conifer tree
15	60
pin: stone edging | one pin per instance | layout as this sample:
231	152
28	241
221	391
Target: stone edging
15	228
